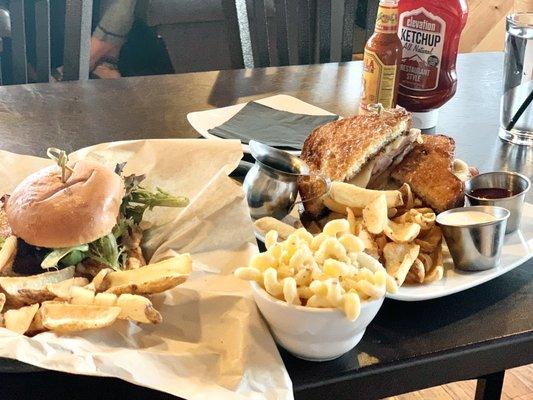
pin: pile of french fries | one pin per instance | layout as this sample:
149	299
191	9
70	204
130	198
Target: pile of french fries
393	225
60	302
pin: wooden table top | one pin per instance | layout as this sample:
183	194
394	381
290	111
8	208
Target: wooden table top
409	345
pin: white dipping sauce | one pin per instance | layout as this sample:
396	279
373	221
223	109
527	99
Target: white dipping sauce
462	218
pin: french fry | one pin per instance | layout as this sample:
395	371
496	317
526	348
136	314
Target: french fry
334	206
357	197
19	320
66	318
81	295
399	257
7	254
62	289
375	215
36	325
2	301
25	290
134	307
355	223
152	278
138	308
266	224
98	279
105	299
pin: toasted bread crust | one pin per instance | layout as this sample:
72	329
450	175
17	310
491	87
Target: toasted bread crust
339	149
428	170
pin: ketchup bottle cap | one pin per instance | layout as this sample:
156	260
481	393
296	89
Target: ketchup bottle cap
425	120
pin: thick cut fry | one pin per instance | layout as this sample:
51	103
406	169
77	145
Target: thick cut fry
98	279
358	197
2	301
7	254
65	317
19	320
334	206
356	223
105	299
138	308
21	290
399	257
375	215
152	278
36	325
266	224
62	289
402	233
81	295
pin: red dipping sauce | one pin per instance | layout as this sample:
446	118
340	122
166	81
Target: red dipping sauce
491	193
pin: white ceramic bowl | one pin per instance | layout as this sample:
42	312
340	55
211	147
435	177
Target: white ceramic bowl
316	334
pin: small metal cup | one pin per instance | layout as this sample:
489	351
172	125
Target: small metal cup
271	185
513	181
476	247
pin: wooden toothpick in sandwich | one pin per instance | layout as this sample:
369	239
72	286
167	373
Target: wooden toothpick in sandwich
61	158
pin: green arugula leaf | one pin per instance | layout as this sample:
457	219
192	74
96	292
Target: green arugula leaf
107	251
138	199
53	258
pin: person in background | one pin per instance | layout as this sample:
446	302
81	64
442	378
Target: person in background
109	36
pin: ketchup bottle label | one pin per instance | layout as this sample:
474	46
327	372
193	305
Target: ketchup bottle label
422	36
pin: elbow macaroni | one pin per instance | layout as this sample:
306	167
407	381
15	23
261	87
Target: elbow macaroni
329	270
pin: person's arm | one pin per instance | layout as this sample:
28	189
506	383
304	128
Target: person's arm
116	22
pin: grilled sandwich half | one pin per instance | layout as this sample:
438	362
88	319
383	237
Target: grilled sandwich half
428	170
360	150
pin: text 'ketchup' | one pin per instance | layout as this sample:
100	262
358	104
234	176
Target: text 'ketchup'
429	31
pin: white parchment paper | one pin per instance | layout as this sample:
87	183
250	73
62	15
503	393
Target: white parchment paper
212	342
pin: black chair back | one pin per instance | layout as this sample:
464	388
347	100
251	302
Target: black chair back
77	34
302	31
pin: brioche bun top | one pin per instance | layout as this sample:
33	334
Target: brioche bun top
45	212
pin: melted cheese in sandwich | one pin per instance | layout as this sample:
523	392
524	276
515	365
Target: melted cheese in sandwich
363	176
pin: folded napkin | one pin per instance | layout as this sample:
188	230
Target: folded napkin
270	126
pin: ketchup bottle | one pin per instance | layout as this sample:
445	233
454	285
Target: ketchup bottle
429	31
381	62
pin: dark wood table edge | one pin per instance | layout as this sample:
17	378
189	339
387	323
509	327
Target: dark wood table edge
486	360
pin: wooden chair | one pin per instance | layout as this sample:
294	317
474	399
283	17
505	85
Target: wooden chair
302	31
78	18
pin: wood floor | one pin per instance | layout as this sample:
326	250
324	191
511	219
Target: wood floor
518	385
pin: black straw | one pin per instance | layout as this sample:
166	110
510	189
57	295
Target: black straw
520	111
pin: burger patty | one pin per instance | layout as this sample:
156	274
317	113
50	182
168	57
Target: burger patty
28	258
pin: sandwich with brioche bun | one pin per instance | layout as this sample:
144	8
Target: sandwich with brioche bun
79	213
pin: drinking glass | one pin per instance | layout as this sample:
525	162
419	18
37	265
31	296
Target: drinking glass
516	115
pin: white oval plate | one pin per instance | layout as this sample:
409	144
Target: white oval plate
517	249
202	121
